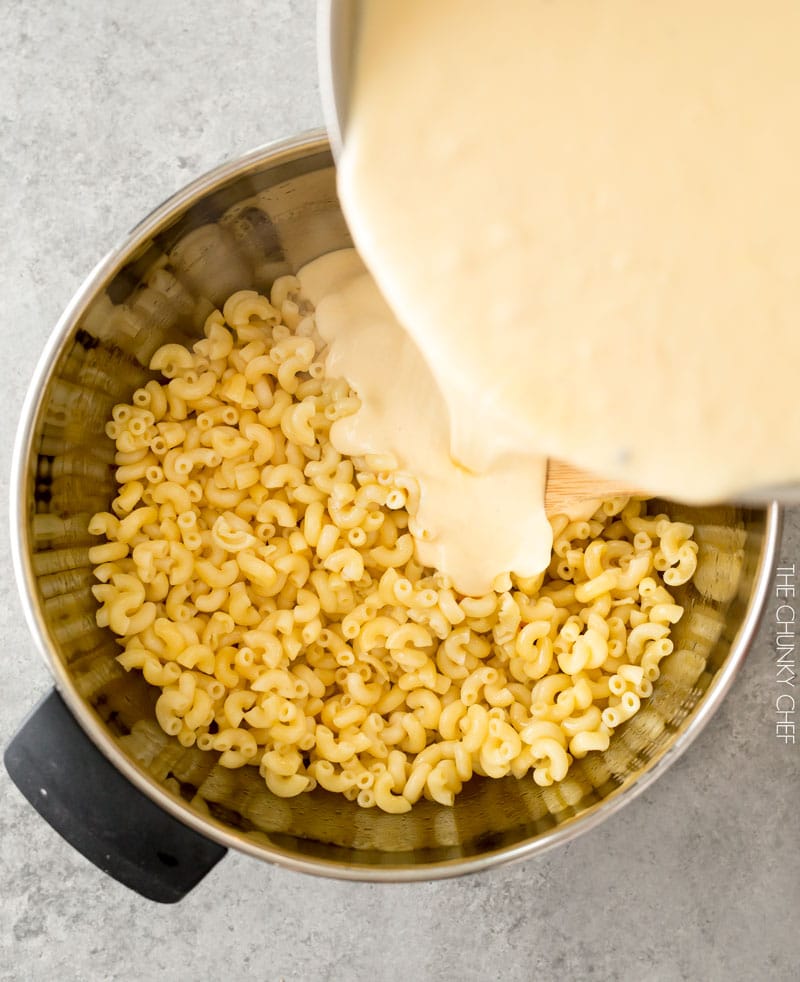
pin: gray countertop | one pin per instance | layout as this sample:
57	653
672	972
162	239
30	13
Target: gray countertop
105	109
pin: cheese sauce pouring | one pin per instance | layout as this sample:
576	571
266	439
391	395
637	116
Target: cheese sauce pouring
584	215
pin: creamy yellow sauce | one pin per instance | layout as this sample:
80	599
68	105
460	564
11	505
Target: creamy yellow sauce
468	525
586	216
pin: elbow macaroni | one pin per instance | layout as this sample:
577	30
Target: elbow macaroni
268	585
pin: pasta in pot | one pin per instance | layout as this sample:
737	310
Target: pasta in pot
268	585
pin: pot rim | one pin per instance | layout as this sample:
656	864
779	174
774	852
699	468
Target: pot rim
305	144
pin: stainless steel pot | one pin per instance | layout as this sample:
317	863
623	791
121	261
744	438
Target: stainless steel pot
157	816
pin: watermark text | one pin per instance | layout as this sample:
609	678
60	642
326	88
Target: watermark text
785	675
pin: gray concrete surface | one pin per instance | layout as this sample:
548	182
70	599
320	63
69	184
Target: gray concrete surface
105	109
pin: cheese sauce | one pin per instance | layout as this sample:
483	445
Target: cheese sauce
585	214
473	525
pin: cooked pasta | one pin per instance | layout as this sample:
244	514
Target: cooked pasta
268	585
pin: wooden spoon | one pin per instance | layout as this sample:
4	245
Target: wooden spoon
567	485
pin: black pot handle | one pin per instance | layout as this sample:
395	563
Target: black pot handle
98	811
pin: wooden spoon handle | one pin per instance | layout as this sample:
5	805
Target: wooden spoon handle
567	485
